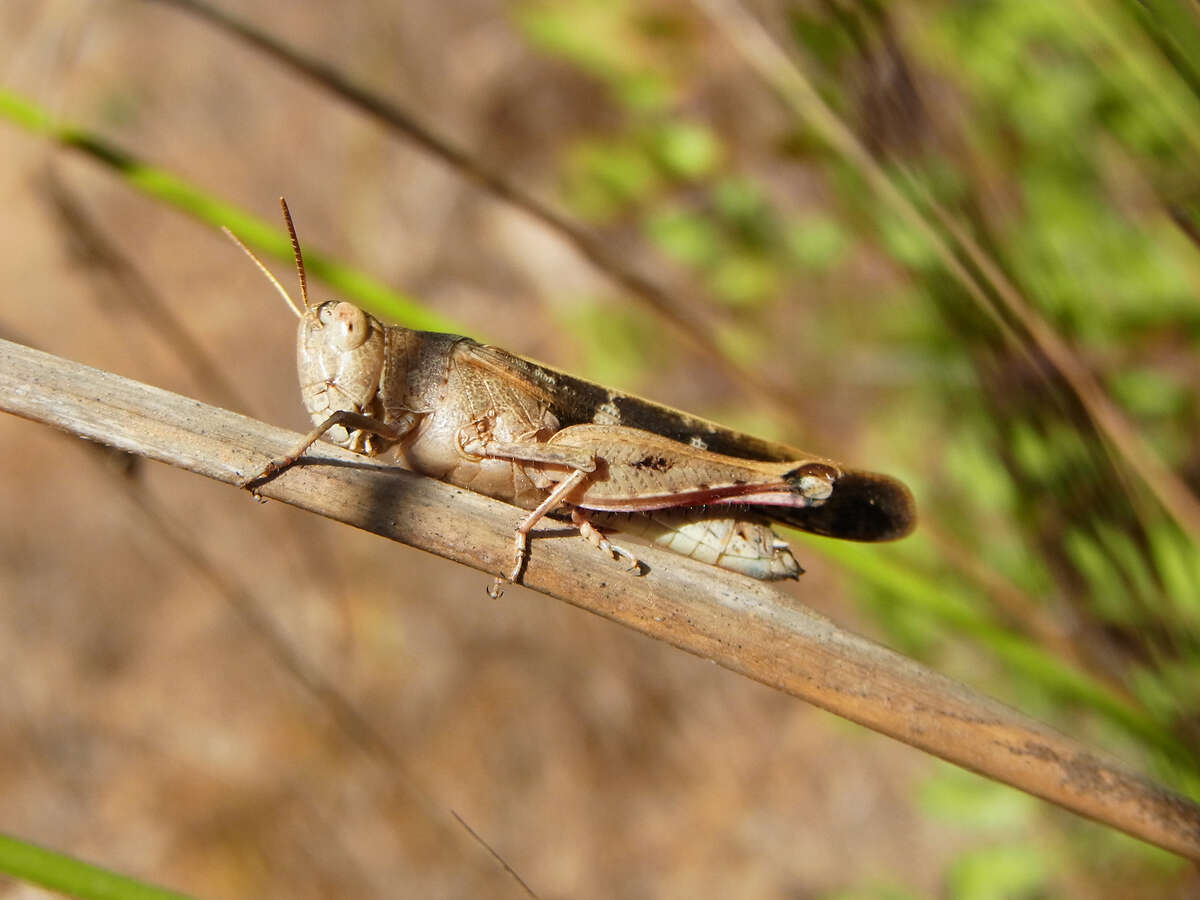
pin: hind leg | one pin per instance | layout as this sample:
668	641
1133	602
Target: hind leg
593	536
521	535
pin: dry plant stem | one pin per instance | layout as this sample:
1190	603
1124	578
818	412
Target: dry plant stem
745	626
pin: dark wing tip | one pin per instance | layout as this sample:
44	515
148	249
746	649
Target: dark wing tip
864	506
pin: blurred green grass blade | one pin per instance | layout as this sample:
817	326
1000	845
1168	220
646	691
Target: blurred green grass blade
1186	214
1175	29
1139	55
1002	871
72	877
1026	659
1175	560
350	284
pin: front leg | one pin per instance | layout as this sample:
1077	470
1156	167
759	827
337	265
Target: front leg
351	421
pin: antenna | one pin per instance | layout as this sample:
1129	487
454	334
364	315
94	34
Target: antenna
270	276
287	217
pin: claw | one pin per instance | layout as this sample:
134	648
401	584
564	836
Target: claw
269	471
593	536
635	564
251	483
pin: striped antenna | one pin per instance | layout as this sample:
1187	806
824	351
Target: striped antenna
287	217
270	276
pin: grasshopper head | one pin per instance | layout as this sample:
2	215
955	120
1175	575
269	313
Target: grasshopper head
339	358
339	353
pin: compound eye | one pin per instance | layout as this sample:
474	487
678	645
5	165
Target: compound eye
325	311
349	324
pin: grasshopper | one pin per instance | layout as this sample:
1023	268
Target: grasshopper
484	419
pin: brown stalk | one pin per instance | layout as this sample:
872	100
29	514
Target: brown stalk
745	626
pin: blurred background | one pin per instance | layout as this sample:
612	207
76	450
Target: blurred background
955	242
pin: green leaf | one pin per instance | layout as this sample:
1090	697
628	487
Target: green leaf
957	796
744	279
972	464
73	877
820	36
604	178
616	340
1177	562
644	92
1130	560
1150	393
686	150
607	39
1108	595
686	236
738	199
904	243
999	873
817	242
587	33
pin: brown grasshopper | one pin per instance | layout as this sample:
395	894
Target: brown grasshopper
485	419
